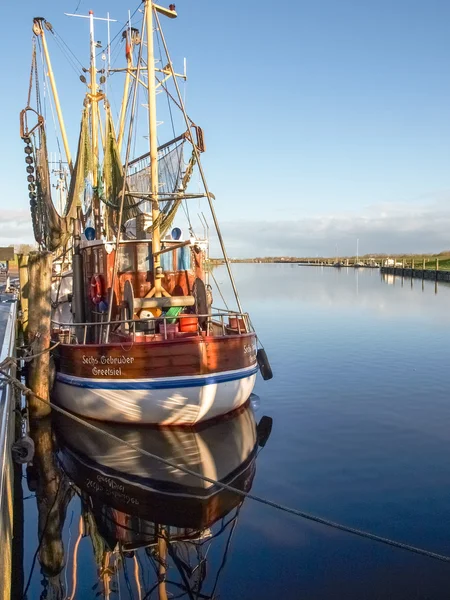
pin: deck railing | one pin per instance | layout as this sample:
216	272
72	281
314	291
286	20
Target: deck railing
227	322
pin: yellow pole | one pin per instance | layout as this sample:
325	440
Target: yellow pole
93	87
162	555
94	124
156	240
39	30
126	90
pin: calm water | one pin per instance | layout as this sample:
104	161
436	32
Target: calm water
361	434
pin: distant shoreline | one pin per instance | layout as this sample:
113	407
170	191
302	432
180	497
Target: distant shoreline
421	261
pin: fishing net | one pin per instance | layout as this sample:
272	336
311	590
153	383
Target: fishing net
51	230
112	179
170	178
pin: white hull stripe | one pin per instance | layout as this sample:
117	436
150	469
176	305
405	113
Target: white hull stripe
157	383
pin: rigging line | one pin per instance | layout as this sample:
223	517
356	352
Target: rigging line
44	111
277	505
54	124
150	591
137	117
67	56
33	62
227	549
202	173
115	53
179	566
218	289
168	103
105	49
177	104
126	576
61	39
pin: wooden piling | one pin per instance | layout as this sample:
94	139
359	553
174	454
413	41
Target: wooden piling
24	291
53	494
39	323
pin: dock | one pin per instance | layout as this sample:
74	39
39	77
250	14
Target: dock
433	274
8	321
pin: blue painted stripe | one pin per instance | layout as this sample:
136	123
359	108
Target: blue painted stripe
155	384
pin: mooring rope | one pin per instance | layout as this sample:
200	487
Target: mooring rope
278	506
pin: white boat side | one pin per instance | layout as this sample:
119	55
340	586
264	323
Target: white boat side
165	400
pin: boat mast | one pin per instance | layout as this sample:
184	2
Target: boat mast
129	57
152	125
38	30
94	123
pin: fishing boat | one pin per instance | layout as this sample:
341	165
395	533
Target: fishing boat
139	339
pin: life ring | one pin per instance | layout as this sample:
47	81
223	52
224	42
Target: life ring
97	289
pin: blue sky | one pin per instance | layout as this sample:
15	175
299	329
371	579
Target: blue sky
324	121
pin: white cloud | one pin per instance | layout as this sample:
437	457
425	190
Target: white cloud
15	227
387	228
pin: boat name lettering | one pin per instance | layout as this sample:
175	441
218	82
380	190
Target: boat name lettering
110	483
116	491
108	360
249	349
108	372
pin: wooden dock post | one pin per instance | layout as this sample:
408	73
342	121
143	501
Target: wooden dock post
412	265
39	323
24	291
437	267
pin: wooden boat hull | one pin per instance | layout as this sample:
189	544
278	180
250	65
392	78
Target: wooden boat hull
175	382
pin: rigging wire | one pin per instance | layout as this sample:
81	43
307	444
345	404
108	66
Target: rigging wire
78	6
105	49
179	147
219	290
68	54
227	549
44	104
50	101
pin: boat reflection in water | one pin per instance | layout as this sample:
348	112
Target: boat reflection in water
151	524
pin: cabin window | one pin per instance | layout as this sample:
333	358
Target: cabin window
144	257
88	262
184	258
126	262
95	261
167	261
100	261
